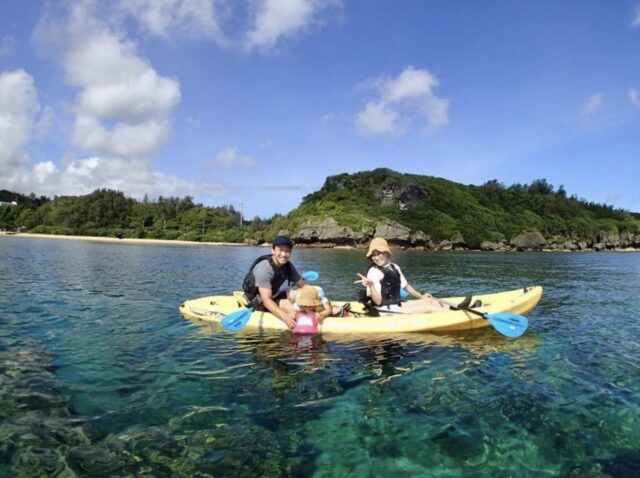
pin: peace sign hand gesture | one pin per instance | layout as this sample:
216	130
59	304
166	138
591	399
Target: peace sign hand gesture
363	280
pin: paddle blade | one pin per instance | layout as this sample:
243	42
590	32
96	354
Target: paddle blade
310	276
511	325
237	320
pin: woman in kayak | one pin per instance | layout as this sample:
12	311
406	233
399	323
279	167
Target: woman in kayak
385	280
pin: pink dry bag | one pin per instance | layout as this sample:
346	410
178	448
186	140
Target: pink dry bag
306	323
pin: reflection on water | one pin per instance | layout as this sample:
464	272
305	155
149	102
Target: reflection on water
100	375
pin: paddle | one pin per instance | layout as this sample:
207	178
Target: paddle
507	323
310	276
236	321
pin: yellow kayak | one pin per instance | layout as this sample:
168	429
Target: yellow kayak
518	301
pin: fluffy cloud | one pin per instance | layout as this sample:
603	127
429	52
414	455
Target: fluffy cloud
123	107
229	158
275	20
18	114
594	103
402	100
170	18
136	177
634	97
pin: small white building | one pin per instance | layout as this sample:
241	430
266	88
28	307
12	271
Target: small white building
12	203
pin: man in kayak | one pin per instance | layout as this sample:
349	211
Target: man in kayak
385	280
262	283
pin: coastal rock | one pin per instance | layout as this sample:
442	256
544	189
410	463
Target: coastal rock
491	246
629	239
421	240
609	239
401	196
529	241
445	245
327	233
394	233
457	242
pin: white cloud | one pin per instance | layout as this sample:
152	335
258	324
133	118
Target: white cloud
123	107
170	18
635	22
275	20
135	177
376	118
6	45
634	97
403	100
122	112
594	103
229	158
18	114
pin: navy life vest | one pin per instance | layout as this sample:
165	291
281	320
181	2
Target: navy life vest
280	275
390	285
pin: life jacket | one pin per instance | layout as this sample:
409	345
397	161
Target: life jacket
280	275
390	285
306	323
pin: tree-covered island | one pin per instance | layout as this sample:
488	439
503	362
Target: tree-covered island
410	210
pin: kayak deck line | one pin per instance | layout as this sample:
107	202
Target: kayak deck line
519	301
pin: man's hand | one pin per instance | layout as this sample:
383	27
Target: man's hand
288	318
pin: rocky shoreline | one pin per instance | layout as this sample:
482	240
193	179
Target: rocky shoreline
330	234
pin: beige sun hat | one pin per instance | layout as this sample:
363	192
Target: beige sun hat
378	244
308	296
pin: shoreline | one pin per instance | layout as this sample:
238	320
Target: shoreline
176	242
115	240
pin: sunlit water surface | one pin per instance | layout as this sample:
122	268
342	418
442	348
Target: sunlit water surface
101	376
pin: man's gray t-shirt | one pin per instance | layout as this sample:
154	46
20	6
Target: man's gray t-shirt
263	274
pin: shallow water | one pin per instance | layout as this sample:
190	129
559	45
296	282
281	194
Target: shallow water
101	376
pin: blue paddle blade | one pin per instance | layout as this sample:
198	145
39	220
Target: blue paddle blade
237	320
310	276
511	325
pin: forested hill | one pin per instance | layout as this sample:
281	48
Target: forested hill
444	209
359	204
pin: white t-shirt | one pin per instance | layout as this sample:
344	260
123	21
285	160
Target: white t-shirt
376	275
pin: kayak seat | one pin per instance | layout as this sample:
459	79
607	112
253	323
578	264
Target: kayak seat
242	300
465	303
345	310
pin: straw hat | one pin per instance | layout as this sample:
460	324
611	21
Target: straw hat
308	296
378	244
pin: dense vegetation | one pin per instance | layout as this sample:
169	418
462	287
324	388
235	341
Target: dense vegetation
442	208
438	207
110	213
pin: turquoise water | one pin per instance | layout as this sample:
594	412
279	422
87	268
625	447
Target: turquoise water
101	376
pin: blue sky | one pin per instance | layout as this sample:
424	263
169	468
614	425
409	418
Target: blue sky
253	103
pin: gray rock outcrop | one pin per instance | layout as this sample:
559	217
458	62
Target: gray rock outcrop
327	233
393	232
529	241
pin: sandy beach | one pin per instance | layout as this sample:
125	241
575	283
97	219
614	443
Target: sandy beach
115	240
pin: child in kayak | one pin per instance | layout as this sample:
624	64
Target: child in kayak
385	280
310	309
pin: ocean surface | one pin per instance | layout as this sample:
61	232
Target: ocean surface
101	376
